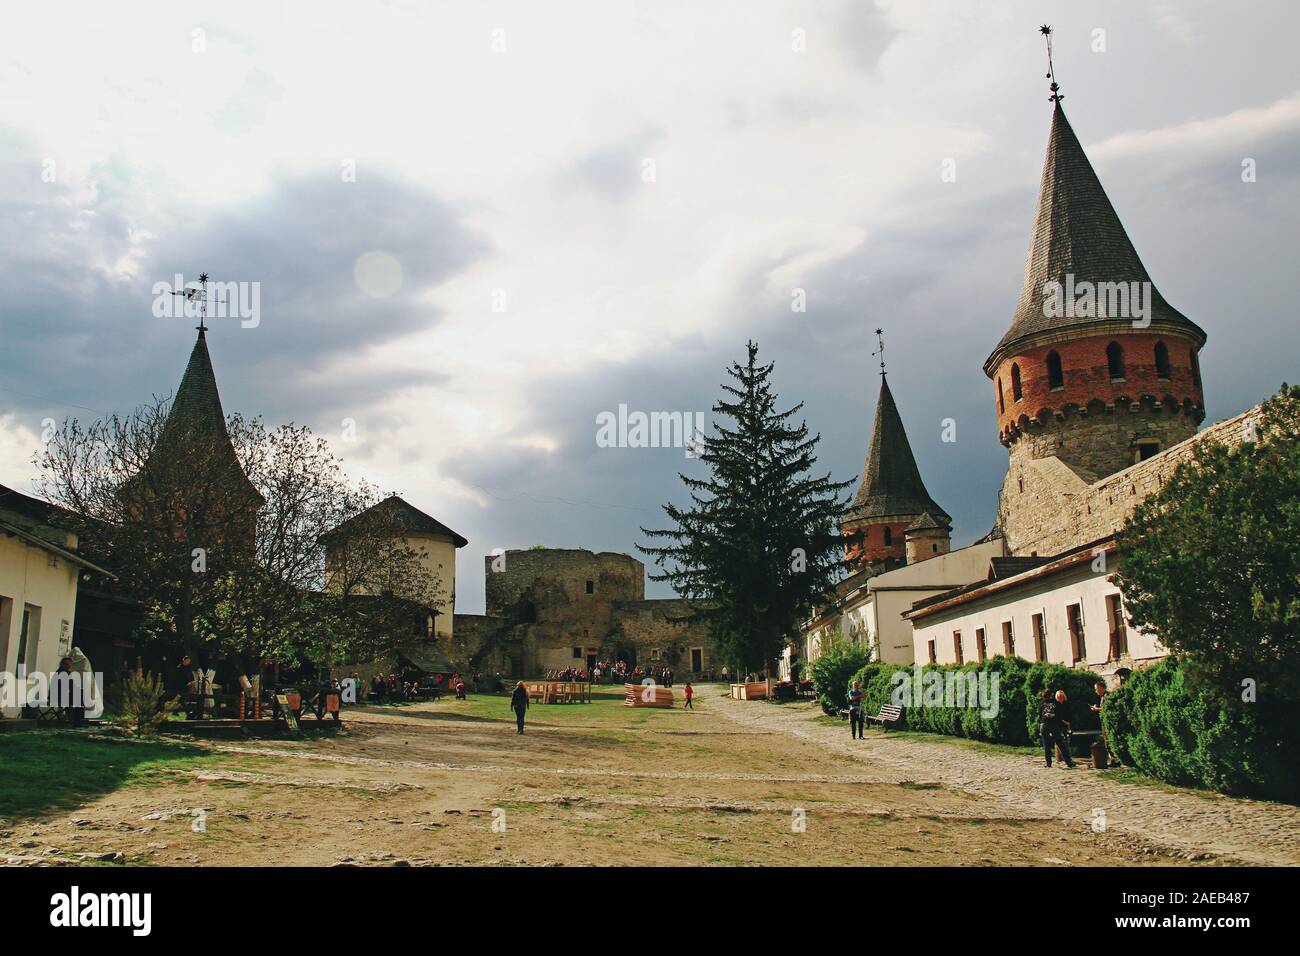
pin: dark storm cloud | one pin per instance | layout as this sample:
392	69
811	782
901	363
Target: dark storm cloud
67	308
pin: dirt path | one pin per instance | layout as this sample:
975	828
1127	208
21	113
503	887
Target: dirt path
1190	822
451	783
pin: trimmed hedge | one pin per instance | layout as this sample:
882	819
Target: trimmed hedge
1189	734
832	673
1019	684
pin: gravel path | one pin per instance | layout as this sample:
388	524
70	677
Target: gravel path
1191	823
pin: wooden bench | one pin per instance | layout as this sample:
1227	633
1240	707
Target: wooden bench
889	714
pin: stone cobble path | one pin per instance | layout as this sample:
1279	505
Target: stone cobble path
1190	823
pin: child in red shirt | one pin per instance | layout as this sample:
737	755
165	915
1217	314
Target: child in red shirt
689	691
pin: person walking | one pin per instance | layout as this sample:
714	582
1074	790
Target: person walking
1053	726
519	704
856	721
689	691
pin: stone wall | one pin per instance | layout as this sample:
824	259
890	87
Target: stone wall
1047	508
545	604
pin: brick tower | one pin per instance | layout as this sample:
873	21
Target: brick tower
891	498
1097	370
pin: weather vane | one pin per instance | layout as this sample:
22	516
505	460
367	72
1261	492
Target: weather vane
199	295
880	337
1057	95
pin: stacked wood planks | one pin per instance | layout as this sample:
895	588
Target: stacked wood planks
647	695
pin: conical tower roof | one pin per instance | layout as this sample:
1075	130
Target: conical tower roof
196	416
891	483
1077	232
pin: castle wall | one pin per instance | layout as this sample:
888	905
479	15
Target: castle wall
1046	508
543	617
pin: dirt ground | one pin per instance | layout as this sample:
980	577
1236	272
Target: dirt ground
451	783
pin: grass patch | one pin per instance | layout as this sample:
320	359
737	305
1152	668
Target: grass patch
49	771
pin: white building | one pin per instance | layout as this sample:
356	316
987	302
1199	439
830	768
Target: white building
39	570
1065	610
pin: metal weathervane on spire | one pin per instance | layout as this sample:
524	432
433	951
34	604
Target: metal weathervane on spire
880	337
199	295
1057	95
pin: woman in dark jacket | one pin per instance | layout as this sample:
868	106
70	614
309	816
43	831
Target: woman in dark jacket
519	704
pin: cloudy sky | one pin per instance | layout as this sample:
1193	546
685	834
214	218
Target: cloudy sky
478	225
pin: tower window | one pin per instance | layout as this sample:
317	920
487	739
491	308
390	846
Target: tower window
591	587
1016	392
1115	361
1055	377
889	536
1001	402
1162	361
1196	368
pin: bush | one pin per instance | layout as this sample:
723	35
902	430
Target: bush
1190	733
833	672
143	704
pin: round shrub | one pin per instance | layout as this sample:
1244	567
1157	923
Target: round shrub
833	671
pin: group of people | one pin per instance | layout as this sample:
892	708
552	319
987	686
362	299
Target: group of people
614	672
1054	722
392	688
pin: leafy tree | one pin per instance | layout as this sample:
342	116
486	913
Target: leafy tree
759	542
227	553
1211	564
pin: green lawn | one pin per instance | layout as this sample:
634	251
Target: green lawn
50	771
606	711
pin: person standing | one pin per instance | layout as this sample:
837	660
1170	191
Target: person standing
689	691
1053	722
519	704
856	697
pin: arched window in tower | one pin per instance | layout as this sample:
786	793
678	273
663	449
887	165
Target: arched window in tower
889	536
1115	361
1002	407
1016	392
1196	368
1162	361
1055	377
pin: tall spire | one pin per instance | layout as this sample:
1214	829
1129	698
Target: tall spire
1077	237
891	483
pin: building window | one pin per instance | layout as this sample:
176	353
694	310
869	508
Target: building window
1196	368
1016	392
1162	361
591	587
1055	377
889	536
1039	626
577	652
1147	449
934	658
1074	620
1002	407
981	645
1118	632
1115	361
1008	639
956	647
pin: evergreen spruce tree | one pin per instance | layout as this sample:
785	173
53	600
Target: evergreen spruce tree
760	542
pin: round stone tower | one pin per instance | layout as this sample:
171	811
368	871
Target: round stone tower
1097	369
